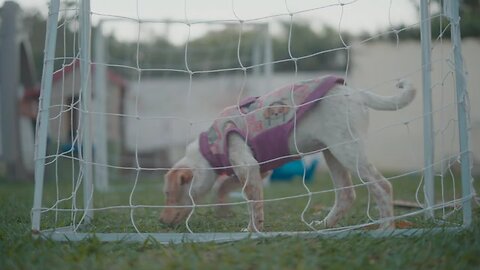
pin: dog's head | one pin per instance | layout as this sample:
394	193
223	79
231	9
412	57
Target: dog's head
188	181
177	200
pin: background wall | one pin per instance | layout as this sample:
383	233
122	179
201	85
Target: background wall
395	139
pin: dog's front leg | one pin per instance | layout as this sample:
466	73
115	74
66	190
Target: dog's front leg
248	172
226	185
253	189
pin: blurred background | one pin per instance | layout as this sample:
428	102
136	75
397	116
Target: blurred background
172	66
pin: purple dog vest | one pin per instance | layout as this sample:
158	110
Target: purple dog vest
265	123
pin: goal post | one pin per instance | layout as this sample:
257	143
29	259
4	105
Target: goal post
452	10
92	178
428	152
43	114
100	101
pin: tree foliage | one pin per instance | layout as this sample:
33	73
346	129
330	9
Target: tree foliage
228	48
323	50
233	48
469	22
298	43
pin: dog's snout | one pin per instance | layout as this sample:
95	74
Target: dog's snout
171	217
165	222
162	220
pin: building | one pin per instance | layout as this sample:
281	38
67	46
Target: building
65	110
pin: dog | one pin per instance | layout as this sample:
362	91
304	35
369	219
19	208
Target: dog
334	123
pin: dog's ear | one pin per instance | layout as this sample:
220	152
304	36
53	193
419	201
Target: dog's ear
185	176
169	175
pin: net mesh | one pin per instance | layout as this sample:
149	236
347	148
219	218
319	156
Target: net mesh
166	80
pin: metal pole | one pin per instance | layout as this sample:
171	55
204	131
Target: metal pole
428	138
463	113
268	58
43	114
10	34
100	102
256	47
86	96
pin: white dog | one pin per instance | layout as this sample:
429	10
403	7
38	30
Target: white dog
335	122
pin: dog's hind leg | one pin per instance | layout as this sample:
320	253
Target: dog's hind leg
353	157
383	199
344	191
247	170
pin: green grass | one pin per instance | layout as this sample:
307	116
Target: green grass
430	251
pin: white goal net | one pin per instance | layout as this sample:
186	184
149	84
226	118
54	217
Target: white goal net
127	85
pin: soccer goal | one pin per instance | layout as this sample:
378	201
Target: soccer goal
127	92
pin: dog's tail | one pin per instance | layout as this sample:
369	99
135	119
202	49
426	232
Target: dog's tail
390	103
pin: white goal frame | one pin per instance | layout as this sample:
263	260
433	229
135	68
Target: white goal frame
68	234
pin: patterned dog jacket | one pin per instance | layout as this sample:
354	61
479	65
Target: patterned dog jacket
265	123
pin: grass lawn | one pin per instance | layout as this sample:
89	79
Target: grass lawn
430	251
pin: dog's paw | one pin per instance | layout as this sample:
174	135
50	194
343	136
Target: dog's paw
253	229
319	224
316	223
387	226
404	84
